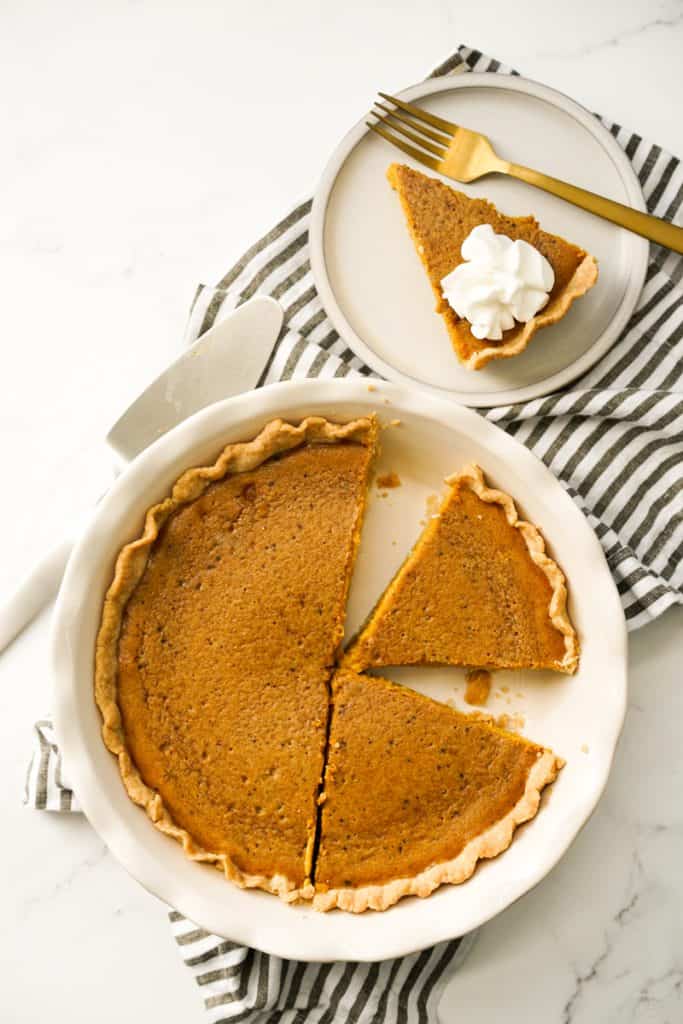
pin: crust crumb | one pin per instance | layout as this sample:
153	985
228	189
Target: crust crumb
477	686
389	480
482	716
513	723
433	504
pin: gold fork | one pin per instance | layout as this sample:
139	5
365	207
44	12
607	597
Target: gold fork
465	156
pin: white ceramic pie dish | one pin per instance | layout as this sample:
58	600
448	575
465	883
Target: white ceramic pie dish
580	716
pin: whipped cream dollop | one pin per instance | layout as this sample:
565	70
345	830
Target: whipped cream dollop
500	281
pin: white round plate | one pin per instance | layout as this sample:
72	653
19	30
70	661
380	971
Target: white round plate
374	288
580	717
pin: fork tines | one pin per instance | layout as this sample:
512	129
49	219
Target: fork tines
431	133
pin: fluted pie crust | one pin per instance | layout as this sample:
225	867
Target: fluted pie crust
397	631
489	844
430	753
113	665
473	477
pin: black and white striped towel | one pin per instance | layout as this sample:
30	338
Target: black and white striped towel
616	443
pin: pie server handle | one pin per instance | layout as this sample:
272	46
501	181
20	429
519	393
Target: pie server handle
31	596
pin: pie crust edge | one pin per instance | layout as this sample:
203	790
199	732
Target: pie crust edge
581	281
583	278
484	846
473	477
275	438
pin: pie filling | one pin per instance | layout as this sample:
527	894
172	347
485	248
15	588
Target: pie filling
218	640
415	793
478	589
215	676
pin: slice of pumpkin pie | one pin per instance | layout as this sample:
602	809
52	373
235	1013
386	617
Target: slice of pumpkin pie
415	794
219	634
478	589
441	219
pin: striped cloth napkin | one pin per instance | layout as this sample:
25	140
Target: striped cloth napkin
615	440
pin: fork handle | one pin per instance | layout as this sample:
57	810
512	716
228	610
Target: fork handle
657	230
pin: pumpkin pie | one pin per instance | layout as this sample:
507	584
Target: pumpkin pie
440	218
415	794
478	589
218	637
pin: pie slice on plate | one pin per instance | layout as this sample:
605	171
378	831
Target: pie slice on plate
415	794
478	589
217	641
440	218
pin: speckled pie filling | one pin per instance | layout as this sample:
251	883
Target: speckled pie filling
439	220
216	679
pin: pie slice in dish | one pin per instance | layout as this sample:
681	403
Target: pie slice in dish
217	641
415	794
439	220
478	589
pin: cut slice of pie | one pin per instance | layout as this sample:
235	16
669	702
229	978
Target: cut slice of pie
478	589
439	220
415	794
218	637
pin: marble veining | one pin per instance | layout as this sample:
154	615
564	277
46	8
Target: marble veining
638	32
621	919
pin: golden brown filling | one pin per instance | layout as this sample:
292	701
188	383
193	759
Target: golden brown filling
226	648
440	219
231	614
409	782
468	594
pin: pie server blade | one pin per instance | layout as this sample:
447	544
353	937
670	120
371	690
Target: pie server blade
227	360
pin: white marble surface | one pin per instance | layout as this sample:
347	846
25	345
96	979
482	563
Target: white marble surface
129	141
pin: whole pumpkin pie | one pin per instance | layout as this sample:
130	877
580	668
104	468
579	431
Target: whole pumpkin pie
478	589
440	218
217	641
415	794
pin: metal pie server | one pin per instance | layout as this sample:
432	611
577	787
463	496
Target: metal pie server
227	360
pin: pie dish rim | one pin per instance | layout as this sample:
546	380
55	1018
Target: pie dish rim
148	855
